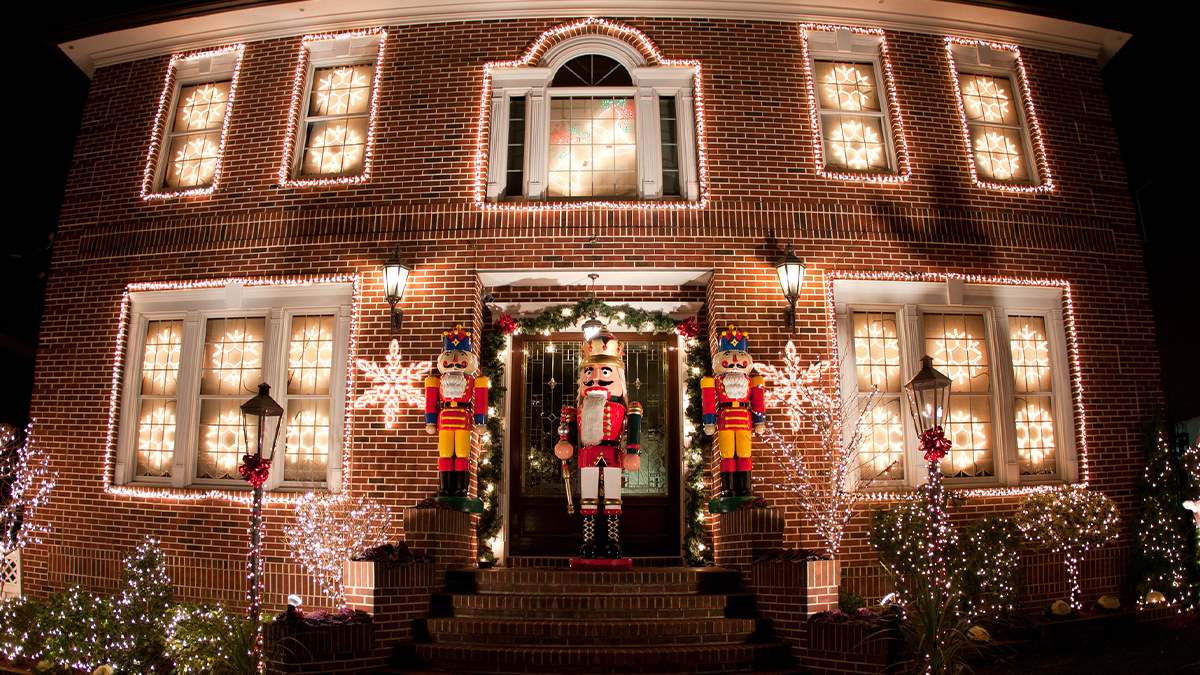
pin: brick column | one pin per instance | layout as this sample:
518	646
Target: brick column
446	537
789	591
395	595
743	535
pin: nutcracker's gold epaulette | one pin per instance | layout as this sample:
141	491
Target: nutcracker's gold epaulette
635	408
483	381
758	381
707	383
432	381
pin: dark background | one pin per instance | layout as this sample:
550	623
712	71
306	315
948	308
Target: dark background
1150	86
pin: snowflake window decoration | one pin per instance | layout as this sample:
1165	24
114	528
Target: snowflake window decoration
393	384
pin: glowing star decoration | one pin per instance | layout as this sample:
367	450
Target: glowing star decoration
1035	439
393	384
958	353
853	96
856	145
532	55
202	175
795	385
1046	179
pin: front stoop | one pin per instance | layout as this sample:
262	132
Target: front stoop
549	620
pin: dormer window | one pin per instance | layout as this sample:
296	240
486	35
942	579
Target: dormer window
594	122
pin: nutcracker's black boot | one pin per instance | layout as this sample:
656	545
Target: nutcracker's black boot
613	548
741	483
726	484
445	487
588	549
462	483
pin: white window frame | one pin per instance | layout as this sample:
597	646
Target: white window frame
910	300
194	307
649	84
850	47
979	59
336	51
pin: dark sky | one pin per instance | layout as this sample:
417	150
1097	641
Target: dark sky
1149	84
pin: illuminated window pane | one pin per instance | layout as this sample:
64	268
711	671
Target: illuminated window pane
156	438
233	351
988	99
201	107
593	147
998	153
882	447
970	432
342	90
160	358
222	443
335	147
193	143
958	345
848	87
1030	353
876	351
192	160
854	142
1035	435
308	439
310	355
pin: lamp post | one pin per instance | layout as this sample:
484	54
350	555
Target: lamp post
395	278
791	278
928	395
259	412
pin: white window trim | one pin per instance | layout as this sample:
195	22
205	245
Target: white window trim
851	47
649	84
979	59
909	300
194	307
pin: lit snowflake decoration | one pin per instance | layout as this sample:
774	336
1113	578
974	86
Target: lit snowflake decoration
795	386
393	384
856	145
850	86
985	99
1002	154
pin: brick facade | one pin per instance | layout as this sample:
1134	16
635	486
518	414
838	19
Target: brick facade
765	191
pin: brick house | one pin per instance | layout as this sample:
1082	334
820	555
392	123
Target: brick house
241	178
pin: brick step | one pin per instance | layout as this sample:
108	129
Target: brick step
563	561
604	659
423	671
651	580
460	630
591	606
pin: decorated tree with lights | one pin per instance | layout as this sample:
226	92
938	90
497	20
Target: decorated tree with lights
25	486
1163	552
328	531
1071	522
140	610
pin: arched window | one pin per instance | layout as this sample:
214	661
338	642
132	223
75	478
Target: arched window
592	121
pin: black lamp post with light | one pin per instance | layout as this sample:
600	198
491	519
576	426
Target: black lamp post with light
265	415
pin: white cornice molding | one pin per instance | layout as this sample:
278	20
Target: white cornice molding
309	16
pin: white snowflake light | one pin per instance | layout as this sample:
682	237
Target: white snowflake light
795	385
393	384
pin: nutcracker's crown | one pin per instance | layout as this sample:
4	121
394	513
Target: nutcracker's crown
457	339
604	348
733	339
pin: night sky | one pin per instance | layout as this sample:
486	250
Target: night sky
1149	83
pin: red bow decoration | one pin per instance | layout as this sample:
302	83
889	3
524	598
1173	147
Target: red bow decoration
254	469
934	444
508	325
688	328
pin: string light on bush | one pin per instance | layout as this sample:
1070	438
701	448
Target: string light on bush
232	496
1070	522
534	52
27	483
1076	367
1035	129
295	113
329	530
893	101
1164	525
161	124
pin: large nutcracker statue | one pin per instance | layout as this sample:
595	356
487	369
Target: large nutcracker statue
734	408
454	402
599	422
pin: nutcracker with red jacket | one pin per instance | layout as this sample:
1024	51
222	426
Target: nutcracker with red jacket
454	403
599	422
735	408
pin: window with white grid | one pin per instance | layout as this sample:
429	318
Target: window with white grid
959	346
998	138
199	361
1033	394
853	117
193	145
877	373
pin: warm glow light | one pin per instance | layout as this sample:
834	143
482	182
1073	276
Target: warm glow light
854	88
984	98
197	164
530	58
393	384
243	497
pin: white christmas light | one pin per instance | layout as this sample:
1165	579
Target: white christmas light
394	384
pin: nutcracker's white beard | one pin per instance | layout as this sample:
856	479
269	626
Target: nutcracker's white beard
454	385
737	385
591	417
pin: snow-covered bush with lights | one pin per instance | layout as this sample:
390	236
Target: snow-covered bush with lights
1070	522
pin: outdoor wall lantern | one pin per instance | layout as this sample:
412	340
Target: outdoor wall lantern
593	326
791	279
928	396
395	278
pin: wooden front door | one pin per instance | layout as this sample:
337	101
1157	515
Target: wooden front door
544	379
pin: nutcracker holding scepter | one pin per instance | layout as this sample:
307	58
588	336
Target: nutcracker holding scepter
734	406
598	423
454	402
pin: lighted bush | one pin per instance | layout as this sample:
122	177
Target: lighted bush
1072	522
208	639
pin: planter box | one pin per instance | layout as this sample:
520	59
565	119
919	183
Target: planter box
849	647
301	643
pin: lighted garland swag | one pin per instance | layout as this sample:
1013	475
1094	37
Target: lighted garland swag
696	549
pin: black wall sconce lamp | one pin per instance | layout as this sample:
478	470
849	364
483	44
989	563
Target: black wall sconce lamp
395	278
791	279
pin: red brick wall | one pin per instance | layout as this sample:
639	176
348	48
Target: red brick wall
765	192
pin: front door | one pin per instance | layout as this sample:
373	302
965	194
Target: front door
544	379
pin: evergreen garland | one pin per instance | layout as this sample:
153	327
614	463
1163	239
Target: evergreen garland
561	317
697	550
491	460
1165	535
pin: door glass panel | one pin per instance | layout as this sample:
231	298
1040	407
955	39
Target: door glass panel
646	379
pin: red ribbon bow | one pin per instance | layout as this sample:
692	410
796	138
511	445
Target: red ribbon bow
934	444
688	328
255	469
508	325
